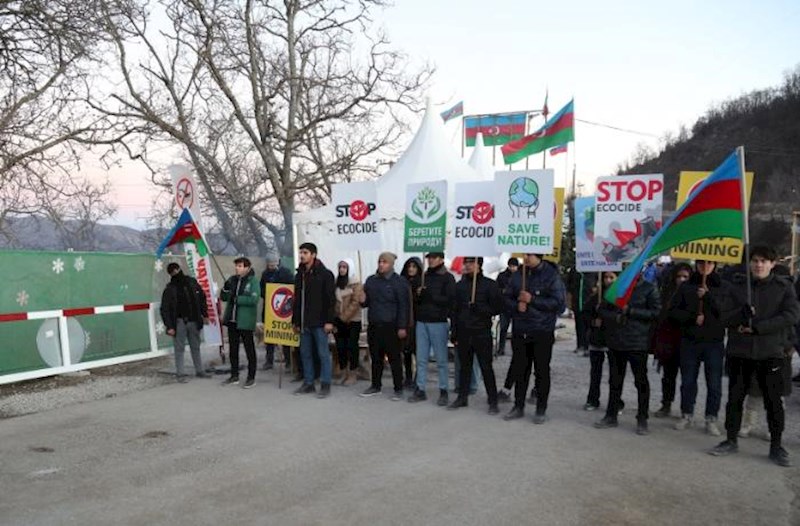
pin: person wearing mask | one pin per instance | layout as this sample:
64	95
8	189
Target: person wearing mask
387	297
274	273
597	341
347	323
759	325
471	331
240	292
435	300
183	311
696	309
537	296
312	317
503	279
627	332
412	272
667	338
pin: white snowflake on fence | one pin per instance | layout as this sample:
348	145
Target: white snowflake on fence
80	264
22	298
160	328
159	265
58	266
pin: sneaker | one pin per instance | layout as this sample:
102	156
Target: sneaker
324	391
515	413
202	375
724	448
684	423
181	379
397	396
305	389
297	378
458	403
606	422
250	382
266	367
442	398
409	385
233	380
664	412
493	409
418	396
590	407
503	397
539	418
745	431
712	428
641	428
780	456
371	391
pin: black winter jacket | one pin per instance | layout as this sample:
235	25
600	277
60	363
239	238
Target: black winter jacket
549	299
475	318
388	300
630	330
314	296
776	313
183	297
685	307
436	298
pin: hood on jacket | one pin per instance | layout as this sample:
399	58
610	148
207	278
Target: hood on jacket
417	280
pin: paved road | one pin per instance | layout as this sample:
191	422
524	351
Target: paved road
200	453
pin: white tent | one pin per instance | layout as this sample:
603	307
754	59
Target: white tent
479	160
429	157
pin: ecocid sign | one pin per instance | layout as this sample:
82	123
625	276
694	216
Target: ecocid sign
473	226
356	217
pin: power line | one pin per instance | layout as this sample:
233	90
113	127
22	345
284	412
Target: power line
617	128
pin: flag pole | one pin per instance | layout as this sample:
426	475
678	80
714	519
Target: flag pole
745	224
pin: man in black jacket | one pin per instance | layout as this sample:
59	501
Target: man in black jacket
471	331
627	333
695	308
537	296
436	296
312	316
274	273
503	279
183	311
386	294
757	337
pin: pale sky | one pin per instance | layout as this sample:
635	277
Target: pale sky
641	65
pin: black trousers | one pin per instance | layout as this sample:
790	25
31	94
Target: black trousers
618	362
532	352
596	359
476	345
669	378
769	376
582	321
246	337
347	334
383	341
409	351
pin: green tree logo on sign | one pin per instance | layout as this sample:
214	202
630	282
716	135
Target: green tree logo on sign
426	205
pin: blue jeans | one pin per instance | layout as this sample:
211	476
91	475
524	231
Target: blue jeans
432	336
315	340
711	355
474	378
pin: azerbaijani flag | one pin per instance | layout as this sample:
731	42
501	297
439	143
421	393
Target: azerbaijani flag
559	149
559	130
452	113
714	209
184	231
496	129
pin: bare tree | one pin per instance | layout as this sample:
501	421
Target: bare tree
272	102
46	47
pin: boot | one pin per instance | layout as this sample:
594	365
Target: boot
685	422
665	411
350	379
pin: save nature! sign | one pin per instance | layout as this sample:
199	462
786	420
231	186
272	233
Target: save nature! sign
524	202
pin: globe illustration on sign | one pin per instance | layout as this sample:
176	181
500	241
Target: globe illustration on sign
523	194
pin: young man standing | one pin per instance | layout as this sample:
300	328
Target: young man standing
312	316
183	311
537	301
386	295
241	294
472	329
757	337
274	273
436	296
503	279
695	308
